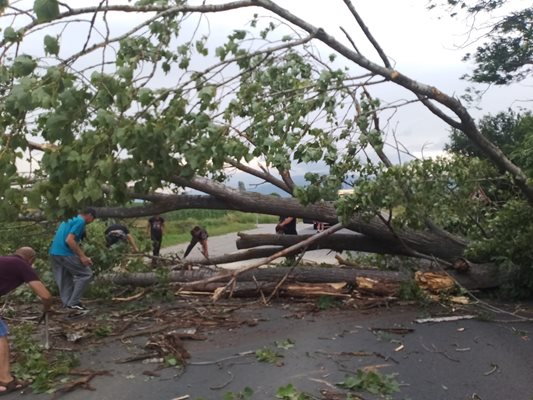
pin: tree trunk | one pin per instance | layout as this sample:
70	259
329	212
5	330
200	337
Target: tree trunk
432	244
337	242
478	277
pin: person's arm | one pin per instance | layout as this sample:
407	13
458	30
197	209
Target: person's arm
190	246
75	247
40	290
132	243
205	251
148	225
286	221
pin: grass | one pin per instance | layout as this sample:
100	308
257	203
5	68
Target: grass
174	235
178	224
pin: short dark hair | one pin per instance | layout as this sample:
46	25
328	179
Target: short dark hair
90	211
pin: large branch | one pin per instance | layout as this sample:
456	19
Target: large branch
302	245
479	276
468	125
260	174
221	197
337	242
422	242
159	9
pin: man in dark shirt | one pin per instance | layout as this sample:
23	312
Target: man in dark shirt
199	235
286	226
14	271
155	228
117	233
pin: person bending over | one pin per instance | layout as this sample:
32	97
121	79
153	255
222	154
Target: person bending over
119	233
199	235
15	270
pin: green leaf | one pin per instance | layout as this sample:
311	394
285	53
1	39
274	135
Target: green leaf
46	10
51	45
11	35
3	5
34	198
145	96
23	65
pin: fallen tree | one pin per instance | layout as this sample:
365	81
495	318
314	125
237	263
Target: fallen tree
477	277
264	103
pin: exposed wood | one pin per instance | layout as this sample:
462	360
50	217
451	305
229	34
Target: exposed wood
378	287
435	282
444	319
268	274
479	277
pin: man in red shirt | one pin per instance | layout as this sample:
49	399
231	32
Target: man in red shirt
15	270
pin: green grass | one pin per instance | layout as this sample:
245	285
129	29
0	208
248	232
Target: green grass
174	235
178	224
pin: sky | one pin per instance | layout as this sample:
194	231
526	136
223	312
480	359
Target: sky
426	46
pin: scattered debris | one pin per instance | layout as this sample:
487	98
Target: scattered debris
444	319
83	382
493	370
396	331
434	350
434	282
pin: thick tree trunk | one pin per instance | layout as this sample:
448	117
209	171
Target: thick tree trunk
337	242
431	244
478	277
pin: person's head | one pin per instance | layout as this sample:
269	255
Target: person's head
89	215
195	231
27	253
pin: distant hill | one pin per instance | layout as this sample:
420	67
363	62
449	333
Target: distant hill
254	185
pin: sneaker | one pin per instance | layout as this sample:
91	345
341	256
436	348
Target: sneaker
78	307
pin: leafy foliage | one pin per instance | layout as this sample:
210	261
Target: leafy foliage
245	394
268	355
289	392
165	106
506	54
33	363
372	382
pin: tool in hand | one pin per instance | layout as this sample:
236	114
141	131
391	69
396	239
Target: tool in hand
46	329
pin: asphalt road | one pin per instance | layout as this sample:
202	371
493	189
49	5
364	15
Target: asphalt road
465	359
225	244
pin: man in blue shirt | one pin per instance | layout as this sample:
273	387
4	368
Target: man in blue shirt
71	267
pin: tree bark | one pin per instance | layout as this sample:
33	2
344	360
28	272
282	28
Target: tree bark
337	242
478	277
432	244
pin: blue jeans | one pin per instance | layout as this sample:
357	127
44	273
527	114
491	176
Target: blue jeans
3	329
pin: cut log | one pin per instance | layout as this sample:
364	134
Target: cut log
249	289
478	277
377	287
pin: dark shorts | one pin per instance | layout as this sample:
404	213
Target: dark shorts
3	328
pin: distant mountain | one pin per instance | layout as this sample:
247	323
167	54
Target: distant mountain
254	185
